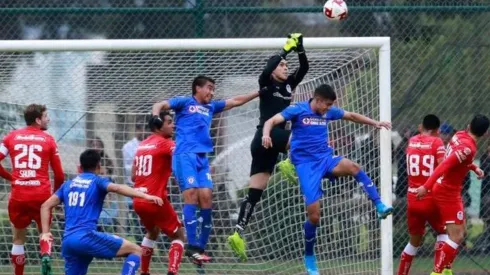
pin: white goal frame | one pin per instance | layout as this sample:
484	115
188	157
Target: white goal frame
380	43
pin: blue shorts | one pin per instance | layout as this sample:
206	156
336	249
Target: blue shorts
191	170
310	175
80	248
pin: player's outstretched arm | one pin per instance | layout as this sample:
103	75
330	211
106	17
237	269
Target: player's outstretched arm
291	45
239	100
361	119
46	209
304	66
441	169
160	106
266	132
127	191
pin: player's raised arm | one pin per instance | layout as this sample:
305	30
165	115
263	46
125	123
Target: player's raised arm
127	191
361	119
239	100
160	106
304	66
273	62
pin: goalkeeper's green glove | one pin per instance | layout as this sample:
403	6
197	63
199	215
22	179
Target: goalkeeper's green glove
288	171
291	44
299	42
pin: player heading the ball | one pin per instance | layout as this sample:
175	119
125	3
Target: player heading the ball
424	153
449	176
31	151
193	116
83	198
275	77
314	159
151	170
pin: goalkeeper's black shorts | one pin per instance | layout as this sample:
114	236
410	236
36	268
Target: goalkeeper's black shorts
264	160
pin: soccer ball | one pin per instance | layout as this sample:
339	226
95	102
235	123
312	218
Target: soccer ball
335	9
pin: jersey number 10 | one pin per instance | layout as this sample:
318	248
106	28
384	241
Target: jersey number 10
144	165
415	168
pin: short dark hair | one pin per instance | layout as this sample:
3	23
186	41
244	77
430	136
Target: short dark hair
479	125
89	160
200	81
325	91
431	122
162	116
32	112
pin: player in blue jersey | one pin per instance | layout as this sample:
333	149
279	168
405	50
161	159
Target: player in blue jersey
314	159
83	198
193	116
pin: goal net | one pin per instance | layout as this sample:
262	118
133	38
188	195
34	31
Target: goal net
99	95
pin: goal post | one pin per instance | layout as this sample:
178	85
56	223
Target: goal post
99	92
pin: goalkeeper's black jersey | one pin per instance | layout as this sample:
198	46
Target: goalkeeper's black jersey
279	95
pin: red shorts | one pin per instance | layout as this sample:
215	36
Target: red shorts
451	212
420	212
21	213
163	217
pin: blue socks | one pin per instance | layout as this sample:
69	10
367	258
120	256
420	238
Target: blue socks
131	265
206	226
310	238
190	223
368	186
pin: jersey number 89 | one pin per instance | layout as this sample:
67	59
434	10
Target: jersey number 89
415	168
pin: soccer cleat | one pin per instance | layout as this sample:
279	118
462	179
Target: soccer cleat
288	171
447	271
46	265
237	244
197	256
383	210
310	265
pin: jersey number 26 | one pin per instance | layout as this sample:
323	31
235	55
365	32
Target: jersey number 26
416	168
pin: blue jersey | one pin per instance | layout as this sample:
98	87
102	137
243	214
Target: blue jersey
83	198
193	122
309	131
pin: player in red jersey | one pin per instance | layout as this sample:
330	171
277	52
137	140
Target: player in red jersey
31	152
424	152
152	167
450	175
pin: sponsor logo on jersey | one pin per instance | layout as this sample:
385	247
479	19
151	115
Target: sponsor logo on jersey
30	138
199	109
288	88
27	182
79	182
419	145
460	215
278	94
147	147
314	121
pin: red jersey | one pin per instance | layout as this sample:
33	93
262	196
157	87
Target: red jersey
31	152
422	154
153	165
451	173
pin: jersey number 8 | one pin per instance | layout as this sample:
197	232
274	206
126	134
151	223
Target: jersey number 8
415	168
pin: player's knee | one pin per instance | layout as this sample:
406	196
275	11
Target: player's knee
135	249
180	235
191	196
254	195
354	168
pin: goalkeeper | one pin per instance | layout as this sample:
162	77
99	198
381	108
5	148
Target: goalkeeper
276	79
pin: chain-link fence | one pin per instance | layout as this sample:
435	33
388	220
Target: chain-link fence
440	64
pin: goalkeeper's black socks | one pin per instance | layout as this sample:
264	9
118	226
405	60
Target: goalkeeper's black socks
247	208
